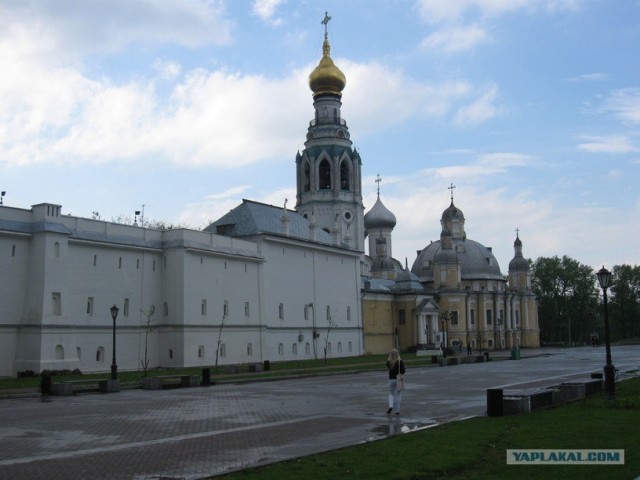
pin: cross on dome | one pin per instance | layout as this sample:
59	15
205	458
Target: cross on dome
325	22
451	188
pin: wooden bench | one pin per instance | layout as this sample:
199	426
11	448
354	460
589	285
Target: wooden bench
170	381
527	400
443	361
70	387
255	367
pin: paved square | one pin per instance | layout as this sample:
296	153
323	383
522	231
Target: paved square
197	432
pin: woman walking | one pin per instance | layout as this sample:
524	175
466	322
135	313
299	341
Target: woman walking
396	367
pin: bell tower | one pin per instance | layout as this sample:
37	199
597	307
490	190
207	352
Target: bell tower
328	170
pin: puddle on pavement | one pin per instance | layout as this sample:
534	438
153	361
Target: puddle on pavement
397	428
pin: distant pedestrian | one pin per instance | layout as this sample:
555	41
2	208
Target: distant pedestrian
469	350
395	365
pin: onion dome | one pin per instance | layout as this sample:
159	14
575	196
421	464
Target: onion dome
518	242
518	263
379	217
327	78
407	282
446	256
451	213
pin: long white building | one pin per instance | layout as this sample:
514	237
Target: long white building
259	298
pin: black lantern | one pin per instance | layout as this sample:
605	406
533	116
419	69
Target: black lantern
114	366
604	279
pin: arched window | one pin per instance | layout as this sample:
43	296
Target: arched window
59	352
100	355
306	177
344	175
324	175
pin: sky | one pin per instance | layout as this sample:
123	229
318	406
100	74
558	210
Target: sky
530	108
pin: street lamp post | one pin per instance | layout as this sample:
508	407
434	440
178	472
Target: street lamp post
114	366
604	278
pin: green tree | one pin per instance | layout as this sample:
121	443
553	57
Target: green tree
567	299
624	305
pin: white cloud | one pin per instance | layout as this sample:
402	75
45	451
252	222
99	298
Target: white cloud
455	39
438	11
266	10
504	160
485	165
624	104
167	70
607	144
210	117
233	192
589	77
75	27
410	98
480	110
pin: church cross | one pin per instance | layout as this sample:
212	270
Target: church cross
378	180
451	188
517	231
325	22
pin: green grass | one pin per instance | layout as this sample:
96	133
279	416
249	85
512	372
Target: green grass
476	448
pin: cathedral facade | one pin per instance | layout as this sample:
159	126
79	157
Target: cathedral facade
261	283
453	297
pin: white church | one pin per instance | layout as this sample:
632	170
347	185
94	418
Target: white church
262	283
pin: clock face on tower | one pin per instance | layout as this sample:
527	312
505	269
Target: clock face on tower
347	216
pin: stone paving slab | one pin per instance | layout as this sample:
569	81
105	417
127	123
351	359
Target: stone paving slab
198	432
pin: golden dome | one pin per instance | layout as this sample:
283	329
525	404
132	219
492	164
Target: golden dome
326	78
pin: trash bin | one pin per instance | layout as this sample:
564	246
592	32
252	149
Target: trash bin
494	402
266	365
46	385
515	353
206	376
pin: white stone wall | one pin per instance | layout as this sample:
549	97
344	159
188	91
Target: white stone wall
91	265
